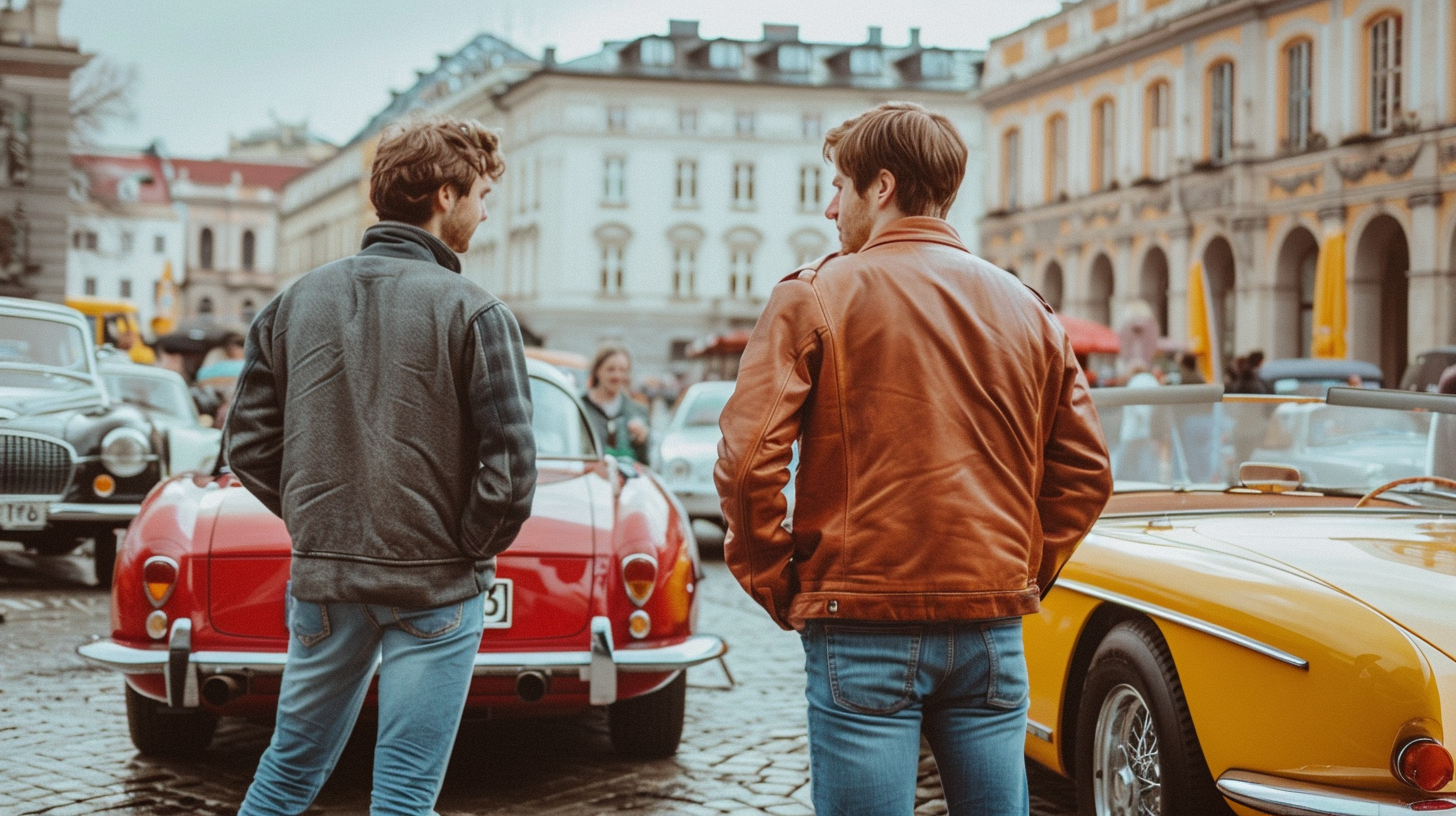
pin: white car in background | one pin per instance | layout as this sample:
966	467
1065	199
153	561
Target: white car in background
192	444
689	449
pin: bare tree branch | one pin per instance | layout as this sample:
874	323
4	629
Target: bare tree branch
101	93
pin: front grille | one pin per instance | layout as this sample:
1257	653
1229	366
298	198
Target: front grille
34	465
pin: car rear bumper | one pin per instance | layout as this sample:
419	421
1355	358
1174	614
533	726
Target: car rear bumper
186	669
98	513
1288	797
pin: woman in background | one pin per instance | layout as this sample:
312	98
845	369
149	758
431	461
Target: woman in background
620	422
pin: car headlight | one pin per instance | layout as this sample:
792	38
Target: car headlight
679	470
124	452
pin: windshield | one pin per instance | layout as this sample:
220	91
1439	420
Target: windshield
1200	445
36	341
703	408
155	395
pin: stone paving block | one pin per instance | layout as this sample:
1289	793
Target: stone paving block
790	810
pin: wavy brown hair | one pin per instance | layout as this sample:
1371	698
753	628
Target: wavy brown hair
419	155
921	148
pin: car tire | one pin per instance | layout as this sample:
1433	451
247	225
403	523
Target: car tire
650	726
1137	751
157	729
104	556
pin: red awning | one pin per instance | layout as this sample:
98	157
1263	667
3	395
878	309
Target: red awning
1089	337
728	343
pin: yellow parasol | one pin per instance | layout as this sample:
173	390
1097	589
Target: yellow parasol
1330	311
1200	339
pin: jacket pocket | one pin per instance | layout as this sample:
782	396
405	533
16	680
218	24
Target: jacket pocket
872	668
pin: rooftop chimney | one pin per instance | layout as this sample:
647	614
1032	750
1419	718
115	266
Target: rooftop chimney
914	38
874	36
682	28
548	57
773	32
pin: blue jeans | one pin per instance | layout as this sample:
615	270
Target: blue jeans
874	688
425	658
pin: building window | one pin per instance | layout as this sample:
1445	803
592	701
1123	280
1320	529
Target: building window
1011	169
127	241
810	194
88	287
204	248
866	62
743	185
1300	95
794	59
612	262
687	120
76	240
657	52
1104	145
204	307
614	180
684	271
248	312
1221	112
1159	138
686	183
1385	66
740	272
159	244
250	249
812	126
935	64
617	118
123	287
744	123
725	55
1056	158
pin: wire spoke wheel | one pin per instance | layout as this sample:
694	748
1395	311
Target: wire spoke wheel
1127	775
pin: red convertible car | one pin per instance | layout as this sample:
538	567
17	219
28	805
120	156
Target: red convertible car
594	604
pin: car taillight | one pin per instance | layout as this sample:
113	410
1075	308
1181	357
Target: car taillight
159	578
639	573
1433	805
1424	763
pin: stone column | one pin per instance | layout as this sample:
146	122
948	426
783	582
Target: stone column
1430	320
1124	279
1178	263
1254	292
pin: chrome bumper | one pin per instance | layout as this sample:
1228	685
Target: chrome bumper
1288	797
598	666
74	511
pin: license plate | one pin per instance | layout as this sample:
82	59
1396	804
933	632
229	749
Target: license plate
498	605
22	515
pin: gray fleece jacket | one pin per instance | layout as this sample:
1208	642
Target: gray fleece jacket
384	413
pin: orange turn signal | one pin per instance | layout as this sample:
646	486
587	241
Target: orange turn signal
104	485
159	577
639	624
1424	763
639	572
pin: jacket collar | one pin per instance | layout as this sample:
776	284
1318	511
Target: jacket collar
921	228
395	239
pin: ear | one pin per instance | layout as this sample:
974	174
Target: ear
884	189
444	198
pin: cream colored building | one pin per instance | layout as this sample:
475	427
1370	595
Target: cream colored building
1137	145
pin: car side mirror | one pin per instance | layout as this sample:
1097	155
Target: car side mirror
1269	478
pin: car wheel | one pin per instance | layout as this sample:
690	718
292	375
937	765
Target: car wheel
157	729
1137	752
650	726
104	555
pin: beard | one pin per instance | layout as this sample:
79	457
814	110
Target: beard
854	230
459	225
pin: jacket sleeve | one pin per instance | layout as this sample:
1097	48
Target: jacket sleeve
1077	476
254	425
500	406
760	424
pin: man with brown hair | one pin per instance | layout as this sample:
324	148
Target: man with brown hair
949	461
384	413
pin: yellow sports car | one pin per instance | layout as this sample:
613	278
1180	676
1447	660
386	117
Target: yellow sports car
1236	635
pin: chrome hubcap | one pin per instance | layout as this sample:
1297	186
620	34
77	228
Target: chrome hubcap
1126	772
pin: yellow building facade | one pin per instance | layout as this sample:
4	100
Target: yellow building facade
1276	170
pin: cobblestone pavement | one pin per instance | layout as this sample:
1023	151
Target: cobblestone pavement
64	749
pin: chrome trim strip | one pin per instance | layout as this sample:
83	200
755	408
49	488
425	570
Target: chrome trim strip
601	672
1209	393
1038	730
1390	398
1184	620
75	511
181	680
1288	797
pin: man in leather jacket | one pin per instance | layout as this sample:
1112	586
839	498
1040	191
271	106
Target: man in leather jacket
950	460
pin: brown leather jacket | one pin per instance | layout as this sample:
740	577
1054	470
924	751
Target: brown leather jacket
950	457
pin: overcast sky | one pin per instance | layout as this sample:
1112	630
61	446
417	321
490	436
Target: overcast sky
210	68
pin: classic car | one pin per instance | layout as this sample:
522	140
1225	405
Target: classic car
75	464
1311	376
1238	634
689	448
165	399
1333	445
1425	373
594	604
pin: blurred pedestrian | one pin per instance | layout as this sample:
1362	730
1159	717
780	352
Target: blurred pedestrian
1244	376
950	459
384	413
621	422
1188	373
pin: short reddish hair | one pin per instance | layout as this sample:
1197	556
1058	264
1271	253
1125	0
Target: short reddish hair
418	156
920	148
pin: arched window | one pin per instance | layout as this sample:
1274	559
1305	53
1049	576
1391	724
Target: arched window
1104	145
204	248
1011	169
1385	73
204	307
250	248
249	311
1298	94
1158	131
1056	158
1221	112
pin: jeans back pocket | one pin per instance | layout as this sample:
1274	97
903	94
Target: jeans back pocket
1008	686
308	621
872	668
429	623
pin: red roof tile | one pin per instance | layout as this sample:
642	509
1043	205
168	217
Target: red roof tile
220	172
105	174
